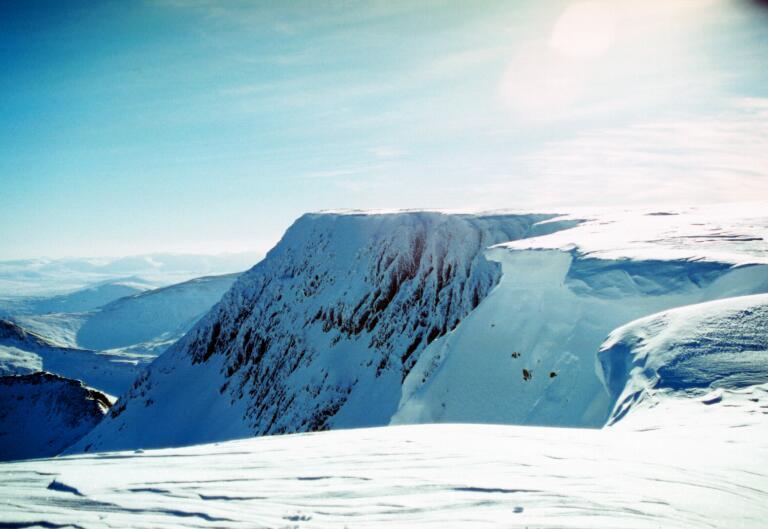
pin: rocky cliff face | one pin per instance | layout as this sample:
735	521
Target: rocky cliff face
357	320
321	333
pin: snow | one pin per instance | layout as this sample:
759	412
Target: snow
162	313
42	413
728	233
46	277
358	320
81	300
411	476
108	347
321	333
17	361
686	352
553	309
366	319
22	352
146	321
59	329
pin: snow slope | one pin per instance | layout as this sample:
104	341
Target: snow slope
164	313
358	320
22	351
548	316
526	355
697	351
42	413
144	323
108	347
477	476
81	300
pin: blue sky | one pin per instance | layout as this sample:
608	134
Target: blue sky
202	126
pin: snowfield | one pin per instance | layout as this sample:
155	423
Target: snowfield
727	233
414	476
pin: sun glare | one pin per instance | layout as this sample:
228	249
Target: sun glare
585	30
544	79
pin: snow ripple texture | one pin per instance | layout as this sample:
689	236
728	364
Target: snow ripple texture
478	476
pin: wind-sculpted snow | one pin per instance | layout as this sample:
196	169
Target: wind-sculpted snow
42	413
526	355
321	333
733	234
712	475
697	350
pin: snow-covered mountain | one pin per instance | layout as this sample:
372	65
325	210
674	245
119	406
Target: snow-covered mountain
324	329
23	352
146	322
108	347
46	277
162	314
686	449
81	300
42	413
369	319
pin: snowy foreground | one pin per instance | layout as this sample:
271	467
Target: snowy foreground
707	467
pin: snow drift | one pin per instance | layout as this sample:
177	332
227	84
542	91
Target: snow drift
699	350
438	475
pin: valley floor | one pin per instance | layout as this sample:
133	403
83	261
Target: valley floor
704	466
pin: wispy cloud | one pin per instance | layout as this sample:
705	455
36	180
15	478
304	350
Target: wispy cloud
706	159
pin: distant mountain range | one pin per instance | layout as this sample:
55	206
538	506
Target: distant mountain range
46	277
